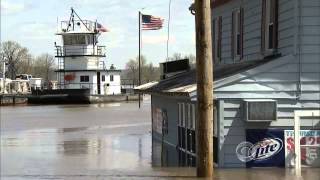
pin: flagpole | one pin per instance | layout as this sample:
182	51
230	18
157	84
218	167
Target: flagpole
139	55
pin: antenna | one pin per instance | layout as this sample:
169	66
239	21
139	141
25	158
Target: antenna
73	12
57	24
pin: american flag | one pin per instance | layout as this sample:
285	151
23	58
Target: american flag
100	28
151	23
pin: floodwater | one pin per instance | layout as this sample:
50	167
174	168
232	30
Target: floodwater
99	141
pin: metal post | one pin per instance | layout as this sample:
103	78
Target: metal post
139	55
297	150
204	89
297	146
4	75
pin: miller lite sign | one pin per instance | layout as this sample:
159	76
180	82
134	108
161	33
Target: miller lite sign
262	148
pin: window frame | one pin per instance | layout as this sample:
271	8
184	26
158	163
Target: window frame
84	78
217	26
73	40
269	26
237	34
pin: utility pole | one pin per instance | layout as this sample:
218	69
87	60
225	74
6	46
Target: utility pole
204	89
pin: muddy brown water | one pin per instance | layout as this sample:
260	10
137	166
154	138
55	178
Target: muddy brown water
99	141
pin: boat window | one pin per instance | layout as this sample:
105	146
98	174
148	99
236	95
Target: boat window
84	78
74	40
90	39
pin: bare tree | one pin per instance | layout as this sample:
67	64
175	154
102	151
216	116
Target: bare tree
175	56
18	57
179	56
44	67
148	71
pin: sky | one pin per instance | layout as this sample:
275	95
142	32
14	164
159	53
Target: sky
33	24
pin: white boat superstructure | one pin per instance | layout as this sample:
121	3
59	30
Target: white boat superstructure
80	58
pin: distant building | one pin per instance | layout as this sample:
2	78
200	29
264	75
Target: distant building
79	59
267	65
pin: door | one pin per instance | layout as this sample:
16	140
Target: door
98	83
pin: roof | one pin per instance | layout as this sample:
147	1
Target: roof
185	83
146	86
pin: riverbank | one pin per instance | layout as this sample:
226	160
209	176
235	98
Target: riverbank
18	99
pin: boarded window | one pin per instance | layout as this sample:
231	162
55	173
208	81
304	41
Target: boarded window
84	78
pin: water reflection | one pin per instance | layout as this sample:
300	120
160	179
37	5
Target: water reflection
74	147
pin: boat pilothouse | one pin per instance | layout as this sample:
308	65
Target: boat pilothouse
80	58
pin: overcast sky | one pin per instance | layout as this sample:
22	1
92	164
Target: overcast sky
33	23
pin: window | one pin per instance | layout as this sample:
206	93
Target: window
193	109
179	114
74	39
90	39
111	78
213	34
84	78
186	134
269	26
187	115
237	34
219	39
103	78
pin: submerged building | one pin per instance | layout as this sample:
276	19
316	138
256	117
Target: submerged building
80	64
267	65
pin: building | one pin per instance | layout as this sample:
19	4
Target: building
267	65
80	64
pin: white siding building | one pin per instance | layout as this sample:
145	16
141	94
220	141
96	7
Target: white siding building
267	65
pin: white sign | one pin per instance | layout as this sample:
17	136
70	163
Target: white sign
310	147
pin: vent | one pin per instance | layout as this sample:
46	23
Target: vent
260	110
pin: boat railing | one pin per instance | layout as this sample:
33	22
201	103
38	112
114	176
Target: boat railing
67	85
62	51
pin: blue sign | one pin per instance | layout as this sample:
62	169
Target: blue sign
265	148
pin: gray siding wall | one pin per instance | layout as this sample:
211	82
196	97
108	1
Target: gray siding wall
233	127
309	48
252	28
170	104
